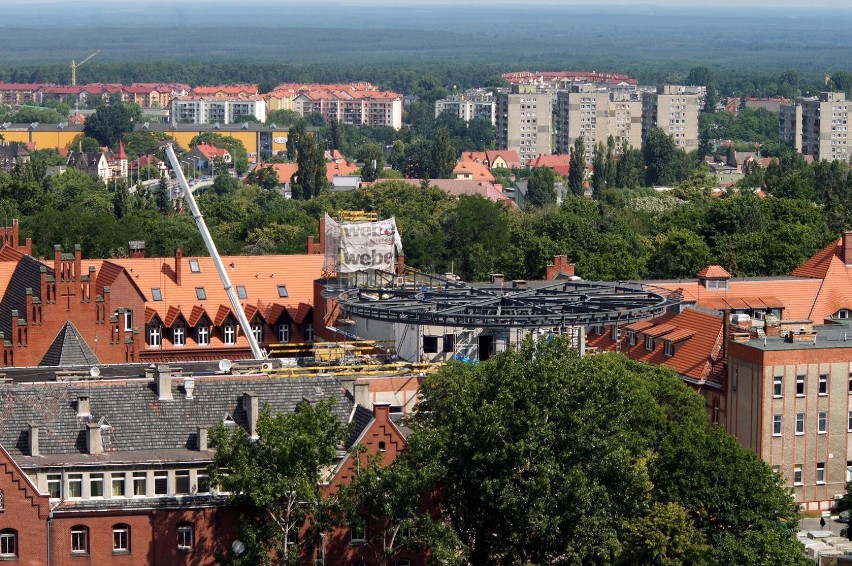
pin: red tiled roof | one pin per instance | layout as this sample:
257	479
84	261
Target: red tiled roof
639	325
459	187
559	163
714	272
211	151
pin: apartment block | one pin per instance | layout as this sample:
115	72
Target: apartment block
673	109
524	121
356	107
470	105
219	109
595	114
817	126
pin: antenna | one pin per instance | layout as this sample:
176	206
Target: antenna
95	371
225	364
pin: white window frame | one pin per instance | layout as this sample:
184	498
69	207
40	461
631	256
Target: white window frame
229	334
800	424
283	330
668	348
823	384
95	479
820	473
121	538
778	386
8	543
79	539
179	335
822	422
128	320
186	537
202	335
55	480
161	476
309	331
155	336
75	479
118	479
777	425
797	475
650	343
257	330
140	479
801	384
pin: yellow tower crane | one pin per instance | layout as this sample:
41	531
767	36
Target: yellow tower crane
75	65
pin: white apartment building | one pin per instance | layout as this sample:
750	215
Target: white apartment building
469	105
673	109
209	110
818	126
594	114
359	108
524	122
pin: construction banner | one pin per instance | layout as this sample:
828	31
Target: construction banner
359	246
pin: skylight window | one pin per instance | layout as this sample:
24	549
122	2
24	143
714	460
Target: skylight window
282	291
194	267
156	294
201	293
241	292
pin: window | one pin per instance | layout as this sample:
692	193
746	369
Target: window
800	386
156	294
179	334
649	343
241	292
359	532
282	291
203	482
186	537
797	475
430	344
820	472
161	483
631	338
778	386
96	485
128	320
777	422
615	333
75	485
200	293
283	331
118	484
8	543
194	267
202	335
121	538
800	423
54	482
257	330
668	348
79	540
140	483
182	482
449	343
229	333
309	332
848	471
823	384
822	422
155	337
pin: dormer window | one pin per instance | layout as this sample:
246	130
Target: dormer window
714	278
631	337
669	348
649	343
716	284
842	314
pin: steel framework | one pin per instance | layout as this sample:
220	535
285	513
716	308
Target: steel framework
418	298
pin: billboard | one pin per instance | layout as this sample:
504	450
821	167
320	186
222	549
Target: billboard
358	246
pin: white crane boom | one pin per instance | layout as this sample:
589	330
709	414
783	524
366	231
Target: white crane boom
75	65
214	255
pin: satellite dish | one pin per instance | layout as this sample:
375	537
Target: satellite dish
225	365
95	371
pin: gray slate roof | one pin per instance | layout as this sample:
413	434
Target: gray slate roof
141	427
69	349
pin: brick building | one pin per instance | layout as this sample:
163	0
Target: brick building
73	310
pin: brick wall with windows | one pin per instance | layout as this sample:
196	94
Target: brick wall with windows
23	517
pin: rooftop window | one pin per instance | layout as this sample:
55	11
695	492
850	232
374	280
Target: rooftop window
241	292
282	291
194	267
156	294
201	293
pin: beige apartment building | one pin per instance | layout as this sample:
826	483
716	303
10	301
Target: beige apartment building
469	105
790	400
818	126
595	114
524	122
673	109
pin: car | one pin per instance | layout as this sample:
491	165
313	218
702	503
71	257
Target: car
843	517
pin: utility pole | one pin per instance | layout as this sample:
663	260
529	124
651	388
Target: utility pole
75	65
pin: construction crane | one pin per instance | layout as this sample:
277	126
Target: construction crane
214	255
75	65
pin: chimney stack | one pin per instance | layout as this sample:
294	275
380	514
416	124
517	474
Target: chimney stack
202	439
497	278
94	440
847	247
136	248
519	283
251	405
83	409
163	375
178	261
361	392
189	386
34	451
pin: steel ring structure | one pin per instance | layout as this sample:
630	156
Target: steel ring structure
432	300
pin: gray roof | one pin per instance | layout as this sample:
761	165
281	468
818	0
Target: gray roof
136	425
69	349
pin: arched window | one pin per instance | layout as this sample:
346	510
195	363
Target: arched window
79	539
155	334
179	333
186	537
229	331
121	538
8	543
202	332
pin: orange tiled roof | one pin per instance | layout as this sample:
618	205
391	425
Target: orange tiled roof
559	163
285	171
473	170
211	151
714	272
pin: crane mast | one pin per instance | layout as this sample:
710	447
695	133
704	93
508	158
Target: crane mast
214	255
75	65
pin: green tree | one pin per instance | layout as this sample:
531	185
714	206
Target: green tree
335	135
299	128
121	201
662	158
276	477
629	171
310	177
842	81
664	536
163	198
110	123
373	157
541	187
239	155
263	176
599	169
577	167
682	254
443	155
282	117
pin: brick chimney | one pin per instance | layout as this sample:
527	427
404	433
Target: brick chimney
94	440
136	248
560	265
178	262
497	278
251	405
847	247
